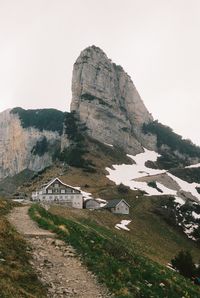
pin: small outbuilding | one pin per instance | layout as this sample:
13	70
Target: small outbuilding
92	204
118	206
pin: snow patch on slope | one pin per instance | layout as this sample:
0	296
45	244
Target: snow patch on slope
110	145
193	166
186	186
179	201
127	174
123	225
195	215
189	229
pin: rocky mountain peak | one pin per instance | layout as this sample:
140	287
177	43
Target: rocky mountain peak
106	99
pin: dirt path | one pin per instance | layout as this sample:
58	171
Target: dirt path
56	263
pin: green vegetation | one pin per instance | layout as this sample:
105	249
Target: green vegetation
115	260
41	147
42	119
169	143
198	189
90	97
116	153
168	160
184	263
74	129
17	278
123	189
74	154
188	174
180	216
154	185
87	96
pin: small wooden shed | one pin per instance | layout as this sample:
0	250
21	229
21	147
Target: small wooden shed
118	206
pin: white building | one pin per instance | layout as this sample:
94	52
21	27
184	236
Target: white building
58	192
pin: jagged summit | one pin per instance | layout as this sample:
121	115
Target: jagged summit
106	99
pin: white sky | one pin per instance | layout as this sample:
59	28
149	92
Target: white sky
156	41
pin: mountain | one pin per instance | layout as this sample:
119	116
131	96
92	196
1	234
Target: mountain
106	100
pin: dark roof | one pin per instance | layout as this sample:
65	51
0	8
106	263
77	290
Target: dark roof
94	200
114	203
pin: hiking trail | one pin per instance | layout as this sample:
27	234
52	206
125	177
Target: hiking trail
56	263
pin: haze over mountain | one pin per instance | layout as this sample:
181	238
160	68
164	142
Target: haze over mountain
156	43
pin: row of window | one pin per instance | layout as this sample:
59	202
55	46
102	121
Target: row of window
59	197
60	191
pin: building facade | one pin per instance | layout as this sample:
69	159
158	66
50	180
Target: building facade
58	192
118	206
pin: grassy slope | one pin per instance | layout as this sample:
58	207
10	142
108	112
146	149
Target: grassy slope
152	235
17	278
115	260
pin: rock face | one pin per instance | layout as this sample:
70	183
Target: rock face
17	143
106	99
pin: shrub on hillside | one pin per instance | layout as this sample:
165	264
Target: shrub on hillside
42	119
154	185
166	136
41	147
123	189
183	262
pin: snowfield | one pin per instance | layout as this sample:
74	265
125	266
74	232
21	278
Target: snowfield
127	174
123	225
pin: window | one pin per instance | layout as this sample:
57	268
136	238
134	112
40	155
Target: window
56	185
62	190
49	191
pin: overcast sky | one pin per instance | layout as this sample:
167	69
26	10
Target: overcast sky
156	41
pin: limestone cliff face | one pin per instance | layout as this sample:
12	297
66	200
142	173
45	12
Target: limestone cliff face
106	99
17	143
